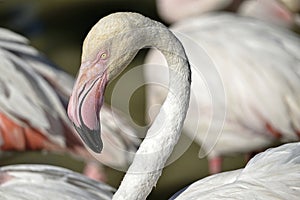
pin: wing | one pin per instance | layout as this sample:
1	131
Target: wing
45	181
26	98
273	174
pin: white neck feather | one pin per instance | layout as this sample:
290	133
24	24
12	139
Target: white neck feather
157	146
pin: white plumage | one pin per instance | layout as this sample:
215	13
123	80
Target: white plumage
273	174
280	12
28	182
245	83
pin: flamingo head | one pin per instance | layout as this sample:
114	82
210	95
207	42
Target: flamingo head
105	54
87	99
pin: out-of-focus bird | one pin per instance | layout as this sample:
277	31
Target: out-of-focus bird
107	49
280	12
272	174
33	102
245	84
25	182
172	11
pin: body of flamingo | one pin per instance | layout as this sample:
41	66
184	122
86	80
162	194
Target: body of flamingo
272	174
172	11
33	116
280	12
245	89
26	181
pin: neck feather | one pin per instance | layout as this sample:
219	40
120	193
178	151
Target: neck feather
164	133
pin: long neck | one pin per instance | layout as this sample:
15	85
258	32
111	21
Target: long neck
164	133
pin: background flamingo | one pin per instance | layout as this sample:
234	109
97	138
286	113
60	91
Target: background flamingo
248	89
280	12
272	169
33	116
176	10
22	182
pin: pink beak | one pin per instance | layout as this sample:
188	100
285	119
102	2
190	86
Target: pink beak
85	103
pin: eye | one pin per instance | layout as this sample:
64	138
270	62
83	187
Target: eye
103	56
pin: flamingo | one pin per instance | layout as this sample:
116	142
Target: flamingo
175	10
33	116
280	12
27	181
107	49
268	169
248	89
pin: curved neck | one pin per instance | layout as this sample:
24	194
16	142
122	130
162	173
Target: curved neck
164	133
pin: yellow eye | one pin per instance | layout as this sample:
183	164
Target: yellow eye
103	56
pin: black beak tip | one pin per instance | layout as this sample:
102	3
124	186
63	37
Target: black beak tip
91	138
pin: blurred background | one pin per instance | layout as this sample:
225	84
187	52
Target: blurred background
57	28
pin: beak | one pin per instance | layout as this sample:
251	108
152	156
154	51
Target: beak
90	137
85	103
